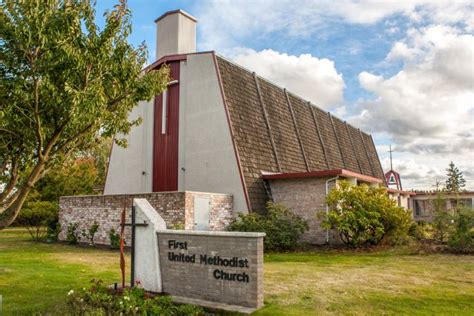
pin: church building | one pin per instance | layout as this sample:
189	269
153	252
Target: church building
222	128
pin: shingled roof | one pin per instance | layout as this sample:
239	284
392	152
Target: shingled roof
278	132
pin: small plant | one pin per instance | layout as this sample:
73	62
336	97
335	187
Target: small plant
282	227
89	234
72	234
53	230
178	226
114	238
100	300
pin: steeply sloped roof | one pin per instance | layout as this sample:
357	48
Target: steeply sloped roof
277	131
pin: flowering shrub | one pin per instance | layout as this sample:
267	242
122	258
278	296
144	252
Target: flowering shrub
100	300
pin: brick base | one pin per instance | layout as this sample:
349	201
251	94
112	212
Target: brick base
176	208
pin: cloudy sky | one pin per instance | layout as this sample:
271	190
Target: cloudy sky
401	70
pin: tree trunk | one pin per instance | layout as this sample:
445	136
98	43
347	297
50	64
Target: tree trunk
8	216
11	213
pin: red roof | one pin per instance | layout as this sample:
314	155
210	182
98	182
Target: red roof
321	174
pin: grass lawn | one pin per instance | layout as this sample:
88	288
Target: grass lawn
36	277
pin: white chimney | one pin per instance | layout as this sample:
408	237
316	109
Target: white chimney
175	33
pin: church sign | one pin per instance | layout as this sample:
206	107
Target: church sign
215	269
223	267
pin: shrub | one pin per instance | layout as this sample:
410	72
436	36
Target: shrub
37	217
100	300
365	215
416	230
89	234
283	228
53	230
72	234
114	238
462	239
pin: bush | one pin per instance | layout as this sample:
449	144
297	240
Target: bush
100	300
282	228
365	215
89	234
417	231
462	239
114	238
37	217
72	234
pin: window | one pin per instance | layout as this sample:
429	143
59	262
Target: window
421	207
164	112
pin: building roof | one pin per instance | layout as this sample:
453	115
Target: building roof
390	190
322	174
186	14
275	131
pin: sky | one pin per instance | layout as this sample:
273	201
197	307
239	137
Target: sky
400	70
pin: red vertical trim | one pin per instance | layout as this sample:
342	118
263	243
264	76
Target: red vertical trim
236	151
165	146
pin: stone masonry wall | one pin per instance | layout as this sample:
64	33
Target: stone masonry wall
176	208
306	198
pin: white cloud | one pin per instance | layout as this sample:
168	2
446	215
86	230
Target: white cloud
224	24
427	108
314	79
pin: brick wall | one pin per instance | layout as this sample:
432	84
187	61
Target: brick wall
176	208
306	198
206	282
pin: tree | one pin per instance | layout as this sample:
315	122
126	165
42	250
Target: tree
64	83
455	181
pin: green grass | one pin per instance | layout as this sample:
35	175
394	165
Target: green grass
36	277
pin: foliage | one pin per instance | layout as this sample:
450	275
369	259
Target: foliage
282	227
455	180
365	215
77	177
442	219
72	233
38	217
462	238
416	230
178	226
53	230
114	238
89	234
65	83
99	300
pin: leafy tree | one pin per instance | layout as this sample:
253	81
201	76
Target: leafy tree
76	178
364	214
64	83
455	181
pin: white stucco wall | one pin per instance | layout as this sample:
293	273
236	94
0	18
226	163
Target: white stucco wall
207	160
127	165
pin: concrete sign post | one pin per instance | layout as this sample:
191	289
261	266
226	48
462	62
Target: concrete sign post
221	270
